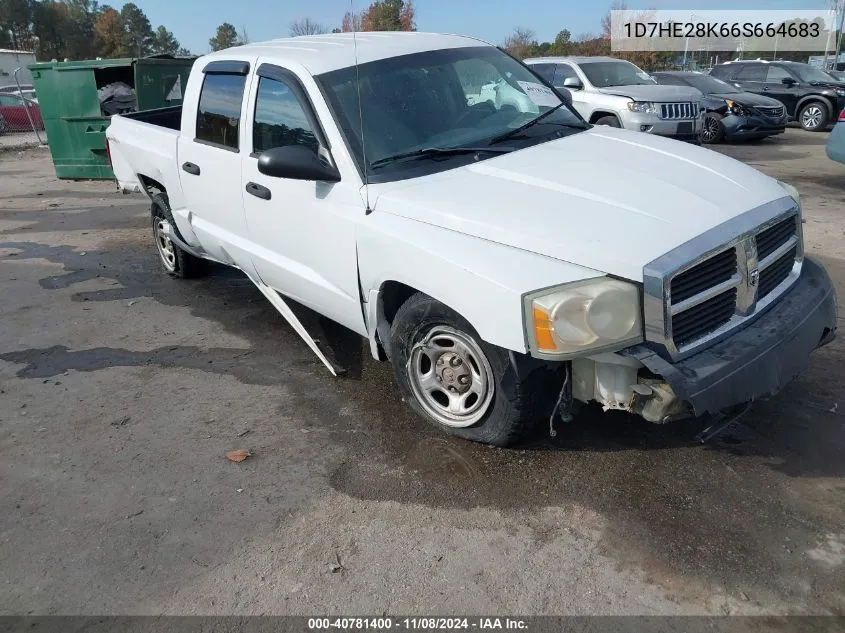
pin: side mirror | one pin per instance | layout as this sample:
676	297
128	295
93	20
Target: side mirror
573	82
296	162
789	81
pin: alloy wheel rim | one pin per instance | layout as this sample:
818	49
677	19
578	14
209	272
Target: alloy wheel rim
812	117
710	129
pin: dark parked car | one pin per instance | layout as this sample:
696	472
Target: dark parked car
811	96
731	114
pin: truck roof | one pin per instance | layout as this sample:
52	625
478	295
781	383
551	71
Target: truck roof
324	53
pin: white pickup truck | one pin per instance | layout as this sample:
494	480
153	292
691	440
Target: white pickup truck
510	260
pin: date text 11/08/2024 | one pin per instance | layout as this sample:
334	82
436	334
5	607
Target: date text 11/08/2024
417	624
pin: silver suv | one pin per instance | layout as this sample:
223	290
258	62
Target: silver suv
615	92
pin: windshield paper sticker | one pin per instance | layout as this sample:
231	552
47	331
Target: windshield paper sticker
539	94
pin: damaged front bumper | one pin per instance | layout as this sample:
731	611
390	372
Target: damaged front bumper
755	362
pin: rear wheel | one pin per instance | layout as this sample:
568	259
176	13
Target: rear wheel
814	117
453	379
175	261
611	121
712	129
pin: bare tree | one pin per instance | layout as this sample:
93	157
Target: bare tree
306	26
521	42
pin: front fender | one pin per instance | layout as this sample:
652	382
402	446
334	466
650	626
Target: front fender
483	281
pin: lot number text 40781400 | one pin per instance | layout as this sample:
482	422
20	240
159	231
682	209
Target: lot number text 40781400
417	624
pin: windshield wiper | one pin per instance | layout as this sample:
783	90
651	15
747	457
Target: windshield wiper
430	152
534	121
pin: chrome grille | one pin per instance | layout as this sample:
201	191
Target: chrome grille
707	274
771	239
671	111
771	111
704	318
701	291
776	274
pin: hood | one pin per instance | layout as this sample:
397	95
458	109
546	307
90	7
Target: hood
654	92
833	85
608	199
749	99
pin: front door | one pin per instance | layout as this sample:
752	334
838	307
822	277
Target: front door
302	232
786	93
209	162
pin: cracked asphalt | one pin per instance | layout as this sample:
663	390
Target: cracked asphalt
121	390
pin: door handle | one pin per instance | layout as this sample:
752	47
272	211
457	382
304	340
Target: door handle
258	191
192	169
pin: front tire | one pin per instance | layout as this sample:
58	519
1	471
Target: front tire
712	129
814	117
175	261
453	379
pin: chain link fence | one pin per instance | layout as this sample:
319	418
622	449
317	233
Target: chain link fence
21	124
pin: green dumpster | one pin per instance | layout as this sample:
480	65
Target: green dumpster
77	99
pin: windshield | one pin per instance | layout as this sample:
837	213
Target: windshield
618	73
708	85
461	97
810	74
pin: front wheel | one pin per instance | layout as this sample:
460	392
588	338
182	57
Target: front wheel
814	117
712	129
453	379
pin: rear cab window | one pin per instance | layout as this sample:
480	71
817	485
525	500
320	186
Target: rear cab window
219	112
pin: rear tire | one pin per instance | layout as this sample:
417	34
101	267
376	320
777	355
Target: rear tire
175	261
440	360
712	129
814	117
610	121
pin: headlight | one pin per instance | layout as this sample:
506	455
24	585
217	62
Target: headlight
594	315
644	107
736	108
792	191
840	93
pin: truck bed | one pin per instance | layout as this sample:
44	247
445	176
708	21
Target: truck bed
143	148
171	117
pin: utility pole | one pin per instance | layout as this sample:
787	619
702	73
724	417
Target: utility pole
834	7
839	35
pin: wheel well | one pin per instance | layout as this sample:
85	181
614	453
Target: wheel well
595	116
151	186
393	295
814	99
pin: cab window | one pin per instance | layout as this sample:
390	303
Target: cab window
219	115
279	118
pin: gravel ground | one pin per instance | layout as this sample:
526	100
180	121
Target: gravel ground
121	390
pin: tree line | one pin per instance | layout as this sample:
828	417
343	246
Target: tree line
82	29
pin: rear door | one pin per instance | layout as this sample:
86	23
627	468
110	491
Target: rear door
750	77
209	156
774	87
303	233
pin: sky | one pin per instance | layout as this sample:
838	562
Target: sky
194	22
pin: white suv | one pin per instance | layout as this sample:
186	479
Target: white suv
615	92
